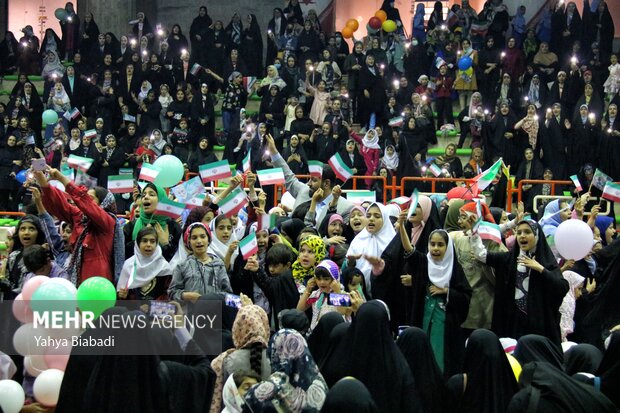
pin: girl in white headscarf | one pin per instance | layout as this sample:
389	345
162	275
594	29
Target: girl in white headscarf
146	274
367	246
224	242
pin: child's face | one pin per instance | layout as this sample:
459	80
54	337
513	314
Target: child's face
66	233
477	156
324	283
390	150
383	172
148	245
278	269
199	241
145	141
307	257
437	247
334	229
245	385
262	239
223	230
357	220
443	69
183	124
355	281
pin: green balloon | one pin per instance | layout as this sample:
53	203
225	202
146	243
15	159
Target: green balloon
172	171
50	117
52	297
96	294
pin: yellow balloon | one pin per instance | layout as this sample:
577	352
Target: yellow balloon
389	26
515	365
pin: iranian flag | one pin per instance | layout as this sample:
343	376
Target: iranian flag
247	162
401	201
271	176
129	118
248	246
342	171
214	171
483	180
234	202
248	83
80	163
396	122
149	172
315	168
612	192
488	230
576	182
415	197
195	201
71	114
91	133
120	184
68	172
266	222
359	197
168	208
435	170
195	69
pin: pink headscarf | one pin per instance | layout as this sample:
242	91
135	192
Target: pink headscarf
425	204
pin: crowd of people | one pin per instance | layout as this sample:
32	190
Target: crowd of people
399	306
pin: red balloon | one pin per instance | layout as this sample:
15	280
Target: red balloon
375	22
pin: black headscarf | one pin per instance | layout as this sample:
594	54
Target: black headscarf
333	342
318	341
609	370
295	320
430	384
368	353
349	395
547	389
490	380
293	228
582	358
533	347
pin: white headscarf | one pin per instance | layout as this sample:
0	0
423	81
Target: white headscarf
440	272
372	245
218	248
371	143
233	401
141	270
390	161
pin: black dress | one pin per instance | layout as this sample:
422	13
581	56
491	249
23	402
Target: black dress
554	148
545	294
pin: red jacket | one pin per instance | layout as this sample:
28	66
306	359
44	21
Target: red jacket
444	90
98	244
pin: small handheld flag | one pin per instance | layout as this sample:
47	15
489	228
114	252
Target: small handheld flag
576	182
215	171
414	203
149	172
342	171
271	176
248	246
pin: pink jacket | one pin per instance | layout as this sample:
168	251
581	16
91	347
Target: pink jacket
371	155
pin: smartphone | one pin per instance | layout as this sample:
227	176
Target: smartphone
161	309
232	300
39	164
340	300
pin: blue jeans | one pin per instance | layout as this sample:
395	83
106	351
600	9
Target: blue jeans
228	120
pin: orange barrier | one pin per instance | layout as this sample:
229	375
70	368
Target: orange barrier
12	214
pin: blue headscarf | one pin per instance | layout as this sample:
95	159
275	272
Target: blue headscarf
602	223
551	220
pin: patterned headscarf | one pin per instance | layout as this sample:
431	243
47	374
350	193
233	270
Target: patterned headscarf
188	231
296	384
301	274
251	326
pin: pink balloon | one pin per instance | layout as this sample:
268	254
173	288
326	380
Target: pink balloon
21	310
57	358
31	285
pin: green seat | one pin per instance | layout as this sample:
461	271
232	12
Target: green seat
5	92
218	148
452	133
440	151
33	78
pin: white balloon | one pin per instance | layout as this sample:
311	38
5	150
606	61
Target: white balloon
573	239
12	396
35	364
70	286
46	387
24	340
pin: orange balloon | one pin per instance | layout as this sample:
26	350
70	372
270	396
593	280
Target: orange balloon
353	24
381	15
347	32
